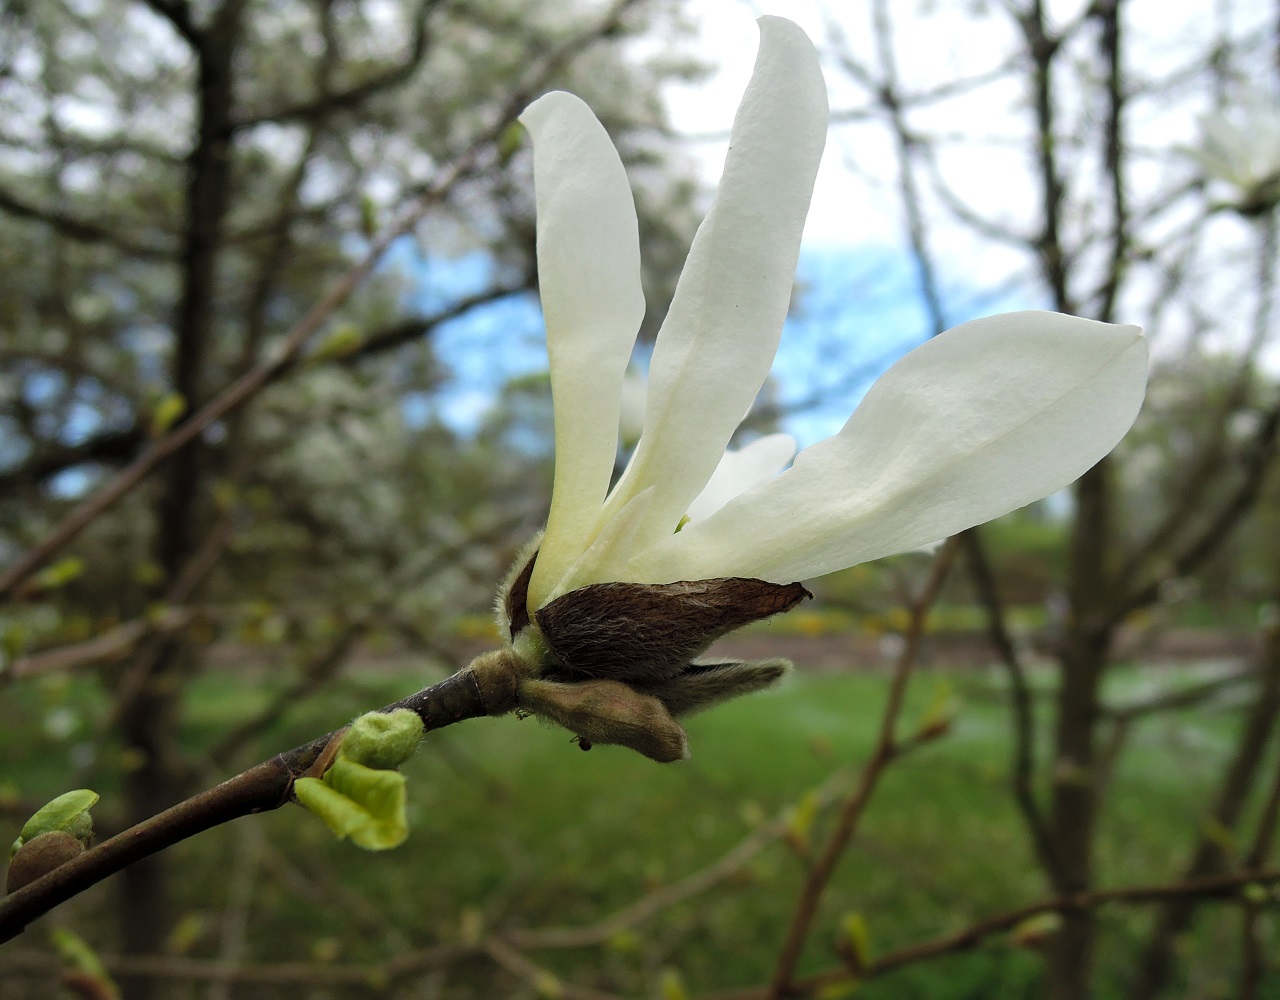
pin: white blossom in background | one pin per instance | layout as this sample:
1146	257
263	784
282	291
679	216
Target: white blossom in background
628	585
1241	149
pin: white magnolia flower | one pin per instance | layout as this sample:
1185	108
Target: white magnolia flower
629	585
1242	149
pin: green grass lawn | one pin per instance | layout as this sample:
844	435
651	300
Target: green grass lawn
514	826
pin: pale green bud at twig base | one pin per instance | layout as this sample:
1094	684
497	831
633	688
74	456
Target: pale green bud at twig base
383	739
68	813
57	832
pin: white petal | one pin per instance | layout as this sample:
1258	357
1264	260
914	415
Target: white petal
720	335
631	419
605	560
976	422
742	470
589	278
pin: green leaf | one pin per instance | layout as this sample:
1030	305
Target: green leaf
510	141
800	818
1255	893
672	986
75	952
853	929
368	218
939	714
166	412
364	804
383	739
69	812
838	991
1035	932
60	573
547	986
340	342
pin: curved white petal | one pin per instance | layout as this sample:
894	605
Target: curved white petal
742	470
589	278
605	560
631	418
720	335
976	422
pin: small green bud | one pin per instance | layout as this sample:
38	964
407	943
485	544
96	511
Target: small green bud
383	740
68	813
166	412
856	939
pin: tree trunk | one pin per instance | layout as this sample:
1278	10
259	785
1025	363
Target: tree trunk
150	709
1174	918
1083	660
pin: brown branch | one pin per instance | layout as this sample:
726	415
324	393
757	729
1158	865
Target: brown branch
82	230
1214	887
111	644
1024	764
178	14
390	337
261	788
327	103
650	905
231	397
1208	855
49	460
1204	469
475	158
523	968
887	749
1257	462
1108	12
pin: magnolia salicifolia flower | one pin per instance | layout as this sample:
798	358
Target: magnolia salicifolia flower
1240	148
607	611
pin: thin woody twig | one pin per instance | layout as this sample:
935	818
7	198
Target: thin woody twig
661	899
1023	774
474	158
261	788
886	750
1219	886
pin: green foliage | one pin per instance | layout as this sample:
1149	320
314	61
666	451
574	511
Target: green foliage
364	804
68	812
382	740
582	835
84	963
361	796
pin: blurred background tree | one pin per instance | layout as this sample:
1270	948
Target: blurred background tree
181	181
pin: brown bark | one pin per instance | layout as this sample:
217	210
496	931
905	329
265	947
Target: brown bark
149	718
1156	966
1083	660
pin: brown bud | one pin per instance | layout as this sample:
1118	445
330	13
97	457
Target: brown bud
701	685
513	597
645	633
41	855
608	712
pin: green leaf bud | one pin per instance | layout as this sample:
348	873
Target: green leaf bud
68	813
383	740
363	804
